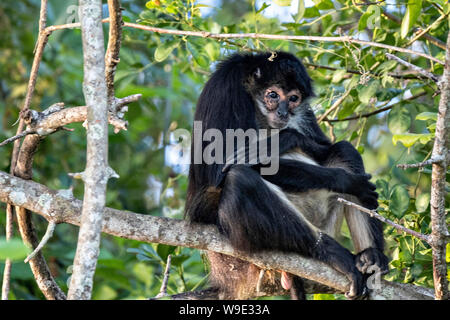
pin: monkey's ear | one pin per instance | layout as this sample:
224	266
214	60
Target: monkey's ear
257	73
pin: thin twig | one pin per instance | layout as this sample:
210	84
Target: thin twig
335	105
206	34
420	33
391	74
48	234
376	215
113	49
430	38
369	114
6	284
20	135
417	69
348	39
428	162
163	291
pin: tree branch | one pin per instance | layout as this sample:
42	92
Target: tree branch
391	74
417	69
60	206
335	105
369	114
376	215
48	234
421	164
441	148
430	38
222	36
114	42
97	175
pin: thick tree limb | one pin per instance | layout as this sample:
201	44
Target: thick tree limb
60	206
96	173
438	178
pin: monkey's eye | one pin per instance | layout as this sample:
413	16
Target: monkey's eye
273	95
293	98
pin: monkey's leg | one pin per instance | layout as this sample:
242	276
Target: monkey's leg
256	215
366	232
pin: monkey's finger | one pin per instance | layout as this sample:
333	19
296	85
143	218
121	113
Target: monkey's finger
286	280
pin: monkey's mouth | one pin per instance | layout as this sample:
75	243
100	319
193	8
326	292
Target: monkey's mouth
278	124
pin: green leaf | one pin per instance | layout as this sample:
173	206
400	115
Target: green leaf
324	296
300	10
410	18
104	292
382	189
367	92
263	7
422	202
179	259
311	12
338	75
399	201
165	49
212	51
324	4
427	116
399	120
164	250
409	139
13	249
283	3
371	12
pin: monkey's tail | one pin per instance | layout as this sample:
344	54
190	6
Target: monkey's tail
203	206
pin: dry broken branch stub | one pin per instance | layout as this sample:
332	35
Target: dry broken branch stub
56	117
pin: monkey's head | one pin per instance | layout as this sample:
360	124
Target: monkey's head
279	88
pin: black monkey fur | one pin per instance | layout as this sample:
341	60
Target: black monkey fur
244	207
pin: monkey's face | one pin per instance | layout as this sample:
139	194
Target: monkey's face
277	105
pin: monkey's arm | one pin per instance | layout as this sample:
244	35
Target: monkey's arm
296	176
290	139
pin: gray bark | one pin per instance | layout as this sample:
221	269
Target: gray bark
438	177
96	173
61	206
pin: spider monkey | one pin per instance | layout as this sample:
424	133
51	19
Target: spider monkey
294	210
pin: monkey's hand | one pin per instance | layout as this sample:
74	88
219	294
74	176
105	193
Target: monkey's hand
363	189
372	260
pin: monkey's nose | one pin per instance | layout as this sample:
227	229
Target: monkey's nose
282	114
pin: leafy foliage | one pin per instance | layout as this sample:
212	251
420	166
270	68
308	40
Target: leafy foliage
170	70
